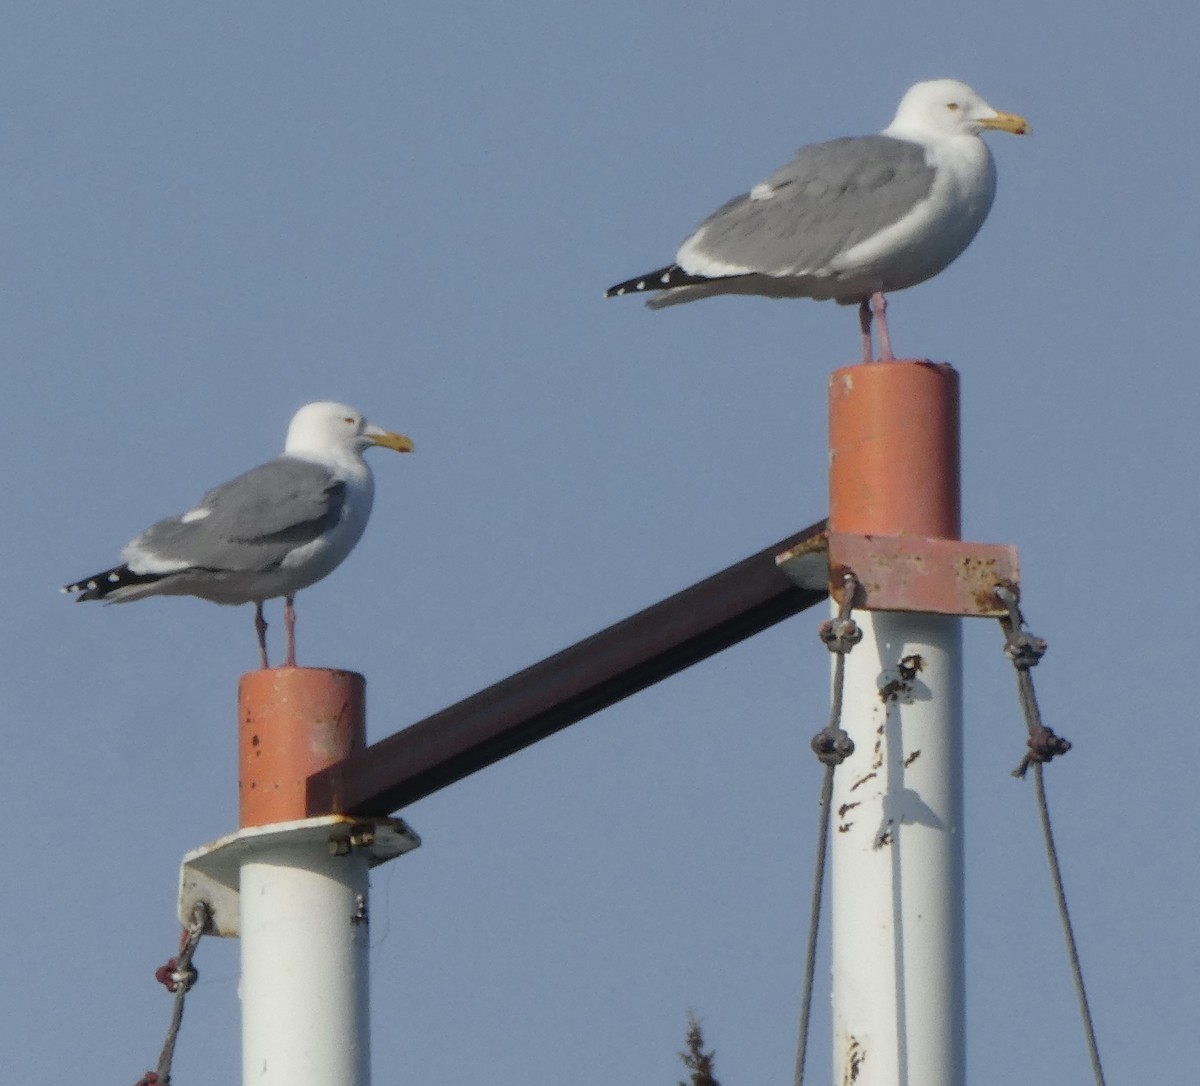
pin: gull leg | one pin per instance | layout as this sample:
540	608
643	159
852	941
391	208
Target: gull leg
864	324
260	627
289	626
879	305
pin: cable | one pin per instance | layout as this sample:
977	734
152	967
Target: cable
177	976
832	746
1025	650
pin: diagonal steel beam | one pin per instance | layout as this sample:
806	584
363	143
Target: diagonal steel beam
516	712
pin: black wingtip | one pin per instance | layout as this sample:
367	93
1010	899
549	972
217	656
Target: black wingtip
101	585
663	279
651	281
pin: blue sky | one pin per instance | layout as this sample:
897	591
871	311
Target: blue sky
214	214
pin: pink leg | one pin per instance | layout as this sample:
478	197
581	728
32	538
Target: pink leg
260	627
864	324
289	626
879	305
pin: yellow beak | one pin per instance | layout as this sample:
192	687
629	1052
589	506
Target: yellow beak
1008	122
387	440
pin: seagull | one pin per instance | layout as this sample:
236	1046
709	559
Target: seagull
853	219
270	532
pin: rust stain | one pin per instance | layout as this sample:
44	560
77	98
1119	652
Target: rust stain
925	575
911	758
812	545
908	667
838	572
891	691
986	599
980	579
846	807
856	1056
862	780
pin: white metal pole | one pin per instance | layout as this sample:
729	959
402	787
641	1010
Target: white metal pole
896	858
304	981
292	883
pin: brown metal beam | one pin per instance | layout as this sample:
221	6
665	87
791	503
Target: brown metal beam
516	712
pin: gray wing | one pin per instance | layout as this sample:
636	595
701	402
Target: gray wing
830	197
252	522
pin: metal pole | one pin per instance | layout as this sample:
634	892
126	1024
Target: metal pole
303	904
304	967
590	675
896	850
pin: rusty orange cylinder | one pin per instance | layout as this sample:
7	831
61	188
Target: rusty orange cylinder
893	450
292	722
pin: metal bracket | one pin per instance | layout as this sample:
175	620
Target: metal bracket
909	573
212	873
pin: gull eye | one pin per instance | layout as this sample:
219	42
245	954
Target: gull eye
348	420
953	107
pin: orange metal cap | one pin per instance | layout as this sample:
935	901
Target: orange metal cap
293	722
893	450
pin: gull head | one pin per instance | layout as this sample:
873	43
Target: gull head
324	429
946	107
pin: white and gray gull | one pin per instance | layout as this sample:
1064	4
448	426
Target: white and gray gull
852	219
270	532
